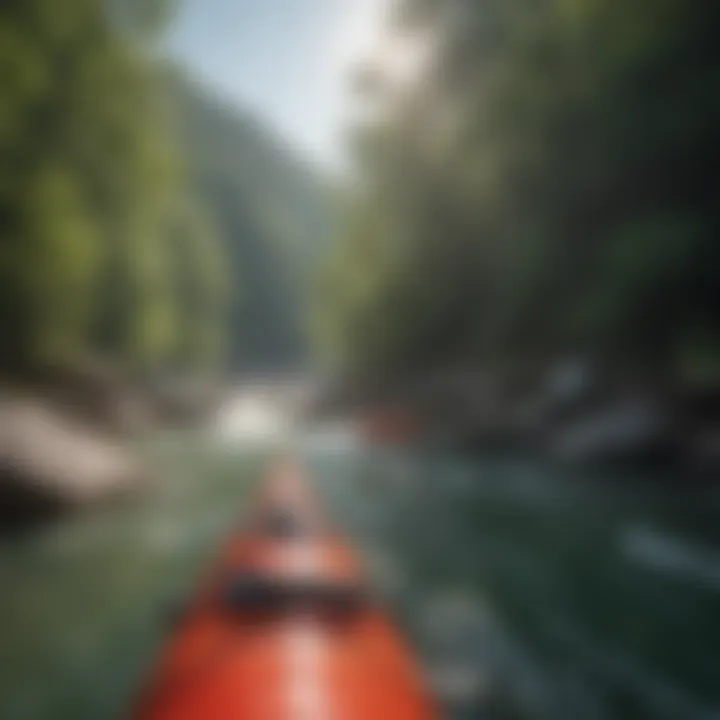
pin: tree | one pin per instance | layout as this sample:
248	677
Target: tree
548	185
90	186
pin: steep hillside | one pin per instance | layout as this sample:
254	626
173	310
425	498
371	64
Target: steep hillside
271	211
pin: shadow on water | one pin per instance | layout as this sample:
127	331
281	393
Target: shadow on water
528	594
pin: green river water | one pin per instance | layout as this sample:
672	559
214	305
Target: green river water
528	593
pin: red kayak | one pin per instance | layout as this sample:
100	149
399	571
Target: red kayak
283	628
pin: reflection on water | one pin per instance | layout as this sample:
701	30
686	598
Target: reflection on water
528	594
533	595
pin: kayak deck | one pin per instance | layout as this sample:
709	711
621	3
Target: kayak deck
284	628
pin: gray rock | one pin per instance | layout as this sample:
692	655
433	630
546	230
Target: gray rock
621	430
50	462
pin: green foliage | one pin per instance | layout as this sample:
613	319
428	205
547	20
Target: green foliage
90	186
271	215
61	245
200	290
548	185
140	18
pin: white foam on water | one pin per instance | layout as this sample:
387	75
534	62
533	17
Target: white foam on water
252	418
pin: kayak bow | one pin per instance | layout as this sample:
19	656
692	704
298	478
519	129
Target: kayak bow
283	628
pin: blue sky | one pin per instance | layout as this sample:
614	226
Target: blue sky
284	59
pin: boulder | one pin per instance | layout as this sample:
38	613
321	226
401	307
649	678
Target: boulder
624	430
50	462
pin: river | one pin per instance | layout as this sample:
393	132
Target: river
528	592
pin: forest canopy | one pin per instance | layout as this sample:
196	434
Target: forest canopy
145	224
96	216
547	185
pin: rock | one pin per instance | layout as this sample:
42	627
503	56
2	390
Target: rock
49	462
624	430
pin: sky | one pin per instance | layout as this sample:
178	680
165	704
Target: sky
286	60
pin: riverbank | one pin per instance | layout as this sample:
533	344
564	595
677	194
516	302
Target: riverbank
52	461
72	443
69	442
569	412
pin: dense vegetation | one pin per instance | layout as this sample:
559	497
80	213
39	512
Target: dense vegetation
271	213
132	203
95	210
548	185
